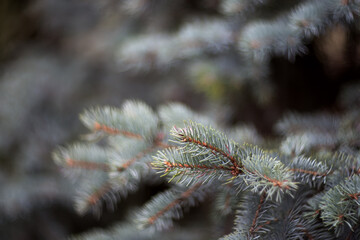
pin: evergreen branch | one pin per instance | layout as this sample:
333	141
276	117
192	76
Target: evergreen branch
277	183
138	156
345	164
265	173
315	229
185	167
135	120
157	143
354	196
82	157
183	197
264	225
313	206
235	168
254	216
314	173
205	140
290	223
309	18
203	154
96	196
158	50
254	222
91	190
179	165
340	204
129	179
158	213
310	171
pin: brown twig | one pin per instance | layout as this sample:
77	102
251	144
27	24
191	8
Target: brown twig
114	131
87	165
173	165
235	168
277	183
310	172
252	228
96	195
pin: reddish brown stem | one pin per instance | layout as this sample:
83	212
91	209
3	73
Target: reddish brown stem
114	131
266	223
86	165
252	228
353	196
157	143
235	168
173	165
96	196
132	160
277	183
309	172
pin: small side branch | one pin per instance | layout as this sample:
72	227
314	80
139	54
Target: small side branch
354	196
95	197
263	225
253	228
277	183
171	205
314	173
87	165
179	165
157	144
134	159
235	168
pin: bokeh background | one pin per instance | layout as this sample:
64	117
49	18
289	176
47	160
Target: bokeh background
60	57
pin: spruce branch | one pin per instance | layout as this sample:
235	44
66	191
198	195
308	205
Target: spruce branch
157	214
339	205
203	140
159	50
186	168
134	120
254	216
254	228
91	192
265	173
208	154
82	156
310	171
266	190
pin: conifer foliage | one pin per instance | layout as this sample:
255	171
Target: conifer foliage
305	188
256	30
304	185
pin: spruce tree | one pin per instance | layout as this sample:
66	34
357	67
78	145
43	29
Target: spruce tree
303	184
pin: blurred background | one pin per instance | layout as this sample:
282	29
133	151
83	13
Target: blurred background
60	57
